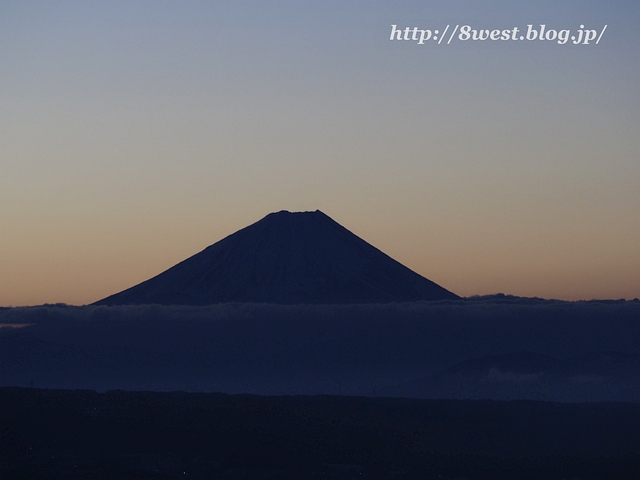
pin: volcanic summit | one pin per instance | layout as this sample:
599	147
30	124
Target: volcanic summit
285	258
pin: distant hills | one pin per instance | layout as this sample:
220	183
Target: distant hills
285	258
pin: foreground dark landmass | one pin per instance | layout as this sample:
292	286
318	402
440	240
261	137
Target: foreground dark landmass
59	434
499	347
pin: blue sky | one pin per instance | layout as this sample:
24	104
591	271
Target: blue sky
134	134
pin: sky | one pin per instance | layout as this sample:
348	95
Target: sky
135	134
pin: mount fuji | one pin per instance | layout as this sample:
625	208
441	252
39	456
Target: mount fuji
285	258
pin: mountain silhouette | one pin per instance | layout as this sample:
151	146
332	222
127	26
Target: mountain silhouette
285	258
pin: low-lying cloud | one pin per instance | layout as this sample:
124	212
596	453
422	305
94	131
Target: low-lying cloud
265	348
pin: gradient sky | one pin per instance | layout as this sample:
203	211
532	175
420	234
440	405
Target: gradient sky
135	134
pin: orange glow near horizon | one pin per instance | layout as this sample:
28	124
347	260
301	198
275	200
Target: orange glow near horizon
135	135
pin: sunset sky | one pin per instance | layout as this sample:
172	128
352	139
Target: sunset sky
135	134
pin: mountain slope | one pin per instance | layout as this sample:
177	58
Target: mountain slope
287	258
